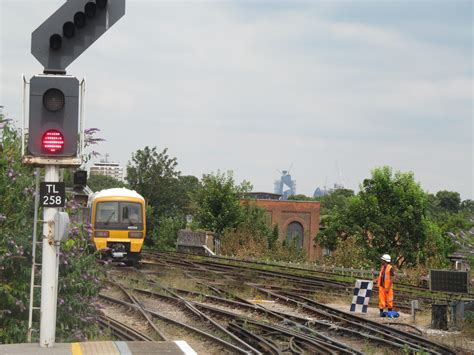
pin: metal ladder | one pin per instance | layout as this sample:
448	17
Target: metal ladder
34	265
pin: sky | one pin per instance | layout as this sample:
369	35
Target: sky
332	89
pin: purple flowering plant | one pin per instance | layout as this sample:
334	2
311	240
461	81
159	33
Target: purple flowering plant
81	276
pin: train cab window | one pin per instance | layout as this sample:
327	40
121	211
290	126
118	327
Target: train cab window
107	212
131	213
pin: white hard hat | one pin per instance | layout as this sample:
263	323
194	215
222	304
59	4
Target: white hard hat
386	258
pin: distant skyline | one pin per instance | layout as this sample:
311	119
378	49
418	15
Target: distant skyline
255	86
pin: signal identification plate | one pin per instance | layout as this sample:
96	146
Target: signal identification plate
52	194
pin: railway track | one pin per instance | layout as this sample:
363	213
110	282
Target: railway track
308	284
206	332
307	326
252	336
121	330
302	284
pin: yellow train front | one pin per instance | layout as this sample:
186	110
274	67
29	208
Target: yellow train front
118	218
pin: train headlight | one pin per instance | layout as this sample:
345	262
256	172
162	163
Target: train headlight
101	234
135	234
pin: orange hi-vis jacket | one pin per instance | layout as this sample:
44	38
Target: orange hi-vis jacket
385	276
384	282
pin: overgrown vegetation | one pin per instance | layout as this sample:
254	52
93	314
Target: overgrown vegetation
79	277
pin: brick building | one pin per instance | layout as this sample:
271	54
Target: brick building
298	221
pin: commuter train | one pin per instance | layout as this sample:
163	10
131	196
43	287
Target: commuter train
118	219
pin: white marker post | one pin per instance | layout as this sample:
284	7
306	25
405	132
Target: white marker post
49	277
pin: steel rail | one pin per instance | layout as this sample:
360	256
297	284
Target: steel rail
314	285
380	336
319	345
382	332
140	308
286	267
189	305
301	322
412	337
209	336
122	329
280	317
320	338
404	287
398	338
266	346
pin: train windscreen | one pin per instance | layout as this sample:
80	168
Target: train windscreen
118	215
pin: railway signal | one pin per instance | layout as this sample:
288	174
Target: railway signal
67	33
54	116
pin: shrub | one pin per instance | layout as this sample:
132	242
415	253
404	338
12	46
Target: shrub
243	244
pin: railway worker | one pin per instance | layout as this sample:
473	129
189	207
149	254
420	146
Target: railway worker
385	284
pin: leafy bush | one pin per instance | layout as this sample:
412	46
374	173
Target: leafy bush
168	232
281	251
16	224
243	243
350	253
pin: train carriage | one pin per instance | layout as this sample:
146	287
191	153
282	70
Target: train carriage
118	218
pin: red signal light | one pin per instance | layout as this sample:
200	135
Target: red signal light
52	141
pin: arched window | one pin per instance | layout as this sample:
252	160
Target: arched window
294	234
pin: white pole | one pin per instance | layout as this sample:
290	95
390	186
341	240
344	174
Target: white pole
49	279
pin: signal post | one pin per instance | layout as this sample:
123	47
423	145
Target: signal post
53	129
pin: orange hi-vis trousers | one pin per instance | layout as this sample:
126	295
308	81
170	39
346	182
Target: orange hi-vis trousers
385	298
384	282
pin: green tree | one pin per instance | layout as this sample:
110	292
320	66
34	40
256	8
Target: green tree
331	202
101	182
187	186
334	201
449	200
387	216
218	202
168	194
467	206
155	176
